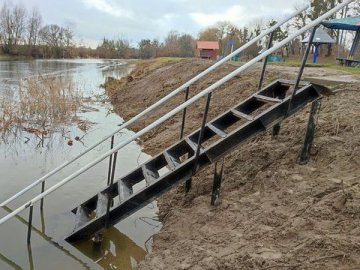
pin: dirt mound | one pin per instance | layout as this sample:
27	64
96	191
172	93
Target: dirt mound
272	212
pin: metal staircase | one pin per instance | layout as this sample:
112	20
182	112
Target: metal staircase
221	135
213	140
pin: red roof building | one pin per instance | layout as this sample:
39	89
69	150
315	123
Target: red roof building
208	49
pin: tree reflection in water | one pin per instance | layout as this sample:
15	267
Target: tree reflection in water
117	251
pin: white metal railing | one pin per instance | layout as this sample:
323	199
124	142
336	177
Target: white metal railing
155	105
177	110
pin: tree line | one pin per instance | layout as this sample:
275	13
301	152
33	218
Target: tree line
22	32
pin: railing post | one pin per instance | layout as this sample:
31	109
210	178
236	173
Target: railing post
29	224
110	183
110	160
262	75
302	67
201	135
184	114
276	128
42	191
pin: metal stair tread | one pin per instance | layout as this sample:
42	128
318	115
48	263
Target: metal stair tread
150	174
218	131
267	99
241	115
102	204
171	160
82	216
124	191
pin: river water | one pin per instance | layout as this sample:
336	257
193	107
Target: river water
24	157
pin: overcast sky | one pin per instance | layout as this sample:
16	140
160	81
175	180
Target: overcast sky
91	20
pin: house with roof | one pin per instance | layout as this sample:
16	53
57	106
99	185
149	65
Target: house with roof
208	49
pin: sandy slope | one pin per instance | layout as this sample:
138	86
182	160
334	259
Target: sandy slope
272	213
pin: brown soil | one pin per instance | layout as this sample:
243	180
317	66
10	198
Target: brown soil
272	213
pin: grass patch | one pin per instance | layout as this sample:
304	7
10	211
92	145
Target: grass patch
322	63
7	57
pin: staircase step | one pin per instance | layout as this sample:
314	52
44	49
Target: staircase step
102	203
172	161
191	144
242	115
124	191
82	216
150	173
218	131
267	99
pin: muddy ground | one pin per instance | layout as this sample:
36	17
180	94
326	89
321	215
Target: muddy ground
272	213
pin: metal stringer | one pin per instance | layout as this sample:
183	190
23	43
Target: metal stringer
217	182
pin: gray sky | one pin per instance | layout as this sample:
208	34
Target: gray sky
91	20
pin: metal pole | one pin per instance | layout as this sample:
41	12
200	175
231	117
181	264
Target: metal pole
158	103
176	110
110	160
276	128
42	200
310	132
29	224
201	136
184	114
302	67
216	183
271	37
109	197
113	169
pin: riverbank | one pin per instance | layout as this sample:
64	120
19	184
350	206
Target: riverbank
272	212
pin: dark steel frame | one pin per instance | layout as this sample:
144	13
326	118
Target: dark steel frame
210	154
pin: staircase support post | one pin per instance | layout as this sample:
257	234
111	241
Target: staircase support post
262	75
184	113
42	191
30	223
310	132
110	160
217	182
276	128
108	195
200	139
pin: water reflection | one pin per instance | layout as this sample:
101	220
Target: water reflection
117	251
43	236
31	260
9	262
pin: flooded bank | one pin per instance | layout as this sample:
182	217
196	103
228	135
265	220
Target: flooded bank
26	156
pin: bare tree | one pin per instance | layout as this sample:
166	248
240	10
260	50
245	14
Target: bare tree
33	27
19	23
56	39
186	46
12	26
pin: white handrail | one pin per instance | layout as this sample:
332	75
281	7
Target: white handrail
155	105
177	110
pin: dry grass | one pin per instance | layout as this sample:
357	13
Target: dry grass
141	69
41	101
